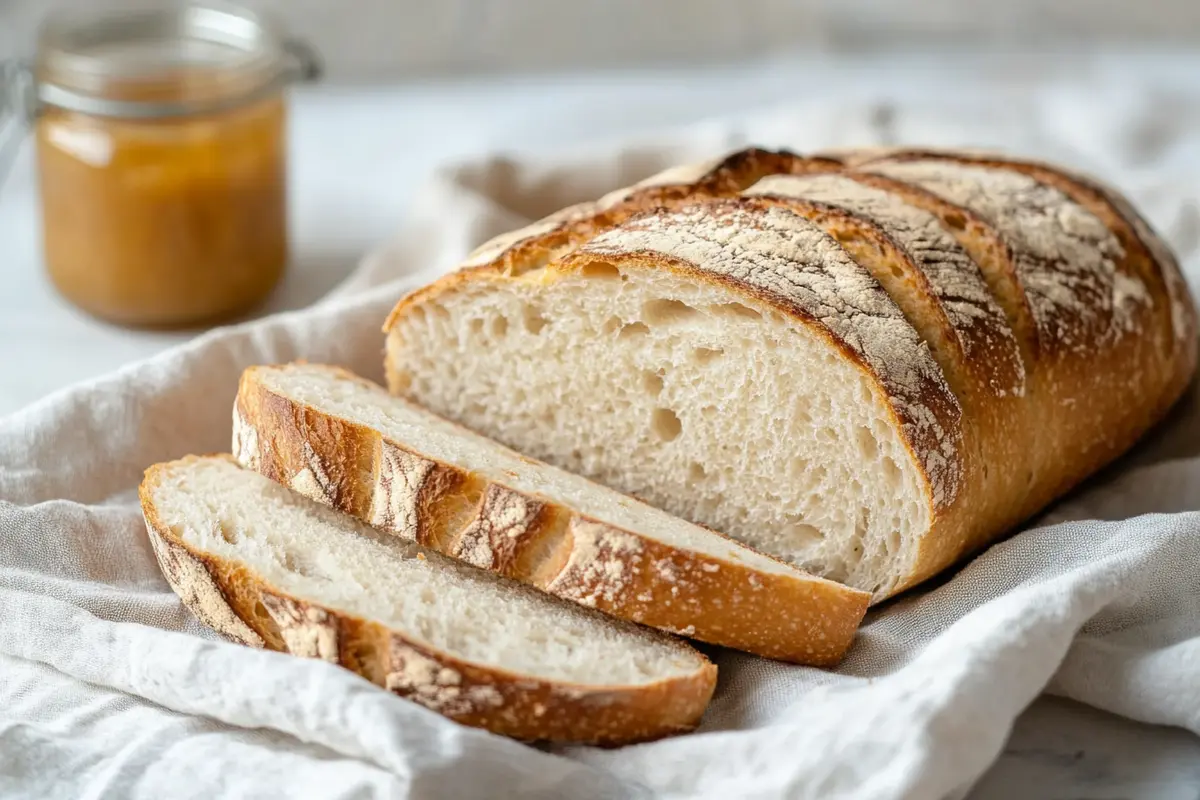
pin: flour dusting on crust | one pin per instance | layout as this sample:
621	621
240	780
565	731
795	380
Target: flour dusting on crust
977	324
1065	256
437	687
395	500
245	441
311	480
307	631
505	517
201	595
602	564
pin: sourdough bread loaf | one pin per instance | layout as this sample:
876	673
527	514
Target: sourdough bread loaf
347	443
868	363
269	568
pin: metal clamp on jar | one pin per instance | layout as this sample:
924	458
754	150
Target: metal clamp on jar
161	157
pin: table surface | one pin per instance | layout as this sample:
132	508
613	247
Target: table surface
346	200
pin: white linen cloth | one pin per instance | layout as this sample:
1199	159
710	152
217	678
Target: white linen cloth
108	688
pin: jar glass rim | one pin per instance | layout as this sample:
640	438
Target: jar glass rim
89	51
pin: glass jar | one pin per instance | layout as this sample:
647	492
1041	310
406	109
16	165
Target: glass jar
162	159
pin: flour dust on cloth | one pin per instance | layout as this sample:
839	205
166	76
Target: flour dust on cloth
109	688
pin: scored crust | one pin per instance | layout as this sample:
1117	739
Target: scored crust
1103	321
238	603
788	616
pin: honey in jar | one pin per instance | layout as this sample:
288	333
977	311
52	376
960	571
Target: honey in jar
162	160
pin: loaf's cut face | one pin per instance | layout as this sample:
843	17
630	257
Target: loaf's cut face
869	363
720	404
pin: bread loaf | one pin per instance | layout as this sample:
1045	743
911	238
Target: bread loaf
345	442
868	363
269	568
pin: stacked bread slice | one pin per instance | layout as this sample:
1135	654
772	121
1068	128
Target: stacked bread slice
371	588
270	568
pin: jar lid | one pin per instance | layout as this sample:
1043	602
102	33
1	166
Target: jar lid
164	60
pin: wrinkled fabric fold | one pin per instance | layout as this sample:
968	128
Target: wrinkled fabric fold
107	685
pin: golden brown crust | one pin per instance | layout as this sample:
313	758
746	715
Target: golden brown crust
555	236
252	611
1071	409
1100	368
531	539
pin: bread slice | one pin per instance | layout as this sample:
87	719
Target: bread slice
269	568
868	365
345	442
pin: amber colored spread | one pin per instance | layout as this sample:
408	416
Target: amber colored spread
164	222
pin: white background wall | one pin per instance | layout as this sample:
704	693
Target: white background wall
389	39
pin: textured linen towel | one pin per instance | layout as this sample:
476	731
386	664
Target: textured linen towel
109	688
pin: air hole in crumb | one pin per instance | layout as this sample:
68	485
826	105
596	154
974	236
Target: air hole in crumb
891	473
734	310
301	565
706	354
499	326
428	596
862	523
868	447
633	329
600	270
666	311
665	424
797	467
696	472
476	326
800	532
652	382
228	533
611	325
891	543
708	412
534	321
955	220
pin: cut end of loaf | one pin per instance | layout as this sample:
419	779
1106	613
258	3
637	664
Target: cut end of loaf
674	390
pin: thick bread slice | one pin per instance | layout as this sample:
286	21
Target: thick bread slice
269	568
345	442
840	404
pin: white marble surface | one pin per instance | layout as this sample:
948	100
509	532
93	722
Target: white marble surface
358	157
